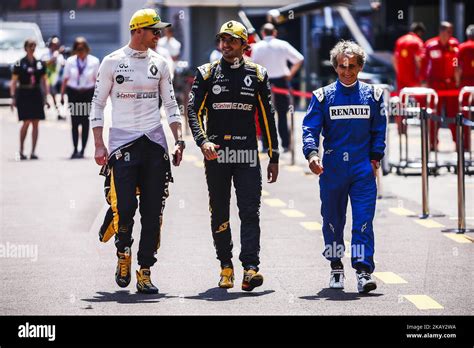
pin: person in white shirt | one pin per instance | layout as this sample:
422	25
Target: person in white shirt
274	54
170	43
79	78
135	78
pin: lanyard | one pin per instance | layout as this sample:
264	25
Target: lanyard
80	69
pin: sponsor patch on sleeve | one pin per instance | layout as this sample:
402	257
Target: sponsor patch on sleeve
319	93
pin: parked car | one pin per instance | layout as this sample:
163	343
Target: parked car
12	38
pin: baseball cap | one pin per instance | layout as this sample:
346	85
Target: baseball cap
234	29
147	17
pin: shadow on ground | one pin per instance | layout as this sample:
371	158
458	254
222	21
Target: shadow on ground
338	295
125	297
218	294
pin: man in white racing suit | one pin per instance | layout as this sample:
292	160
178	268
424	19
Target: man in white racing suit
137	161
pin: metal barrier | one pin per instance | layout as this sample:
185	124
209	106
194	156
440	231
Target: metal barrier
408	111
469	168
461	168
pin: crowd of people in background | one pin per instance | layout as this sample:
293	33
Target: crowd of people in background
441	63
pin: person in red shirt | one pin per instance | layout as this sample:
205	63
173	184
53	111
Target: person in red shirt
465	73
437	72
465	69
407	62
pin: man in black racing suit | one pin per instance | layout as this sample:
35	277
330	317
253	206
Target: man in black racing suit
227	93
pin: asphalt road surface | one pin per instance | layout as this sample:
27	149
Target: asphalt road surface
53	263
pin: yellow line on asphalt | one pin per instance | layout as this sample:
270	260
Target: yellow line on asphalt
265	193
390	278
469	238
292	213
274	202
458	238
423	302
311	225
428	223
401	211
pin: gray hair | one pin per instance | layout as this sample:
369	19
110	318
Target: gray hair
470	31
348	49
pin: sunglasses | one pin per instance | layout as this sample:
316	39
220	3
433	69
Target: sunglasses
154	31
31	45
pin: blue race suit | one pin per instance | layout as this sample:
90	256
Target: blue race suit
353	124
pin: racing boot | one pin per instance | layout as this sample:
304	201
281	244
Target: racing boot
365	283
227	278
251	280
124	264
336	280
144	284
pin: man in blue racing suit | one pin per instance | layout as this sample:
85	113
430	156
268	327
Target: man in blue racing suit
350	115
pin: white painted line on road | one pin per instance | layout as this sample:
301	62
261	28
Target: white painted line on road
401	211
274	202
293	213
428	223
390	278
423	302
311	225
467	218
459	238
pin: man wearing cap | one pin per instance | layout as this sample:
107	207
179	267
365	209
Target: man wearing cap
137	158
229	91
274	54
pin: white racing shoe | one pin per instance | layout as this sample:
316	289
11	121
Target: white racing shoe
365	283
336	281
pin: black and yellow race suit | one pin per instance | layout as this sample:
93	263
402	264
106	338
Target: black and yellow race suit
221	110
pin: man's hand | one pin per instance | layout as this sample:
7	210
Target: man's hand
101	155
177	155
315	165
13	104
375	166
272	172
209	151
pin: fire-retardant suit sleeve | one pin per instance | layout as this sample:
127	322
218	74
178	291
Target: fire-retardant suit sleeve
167	95
266	117
378	126
312	125
196	105
103	86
